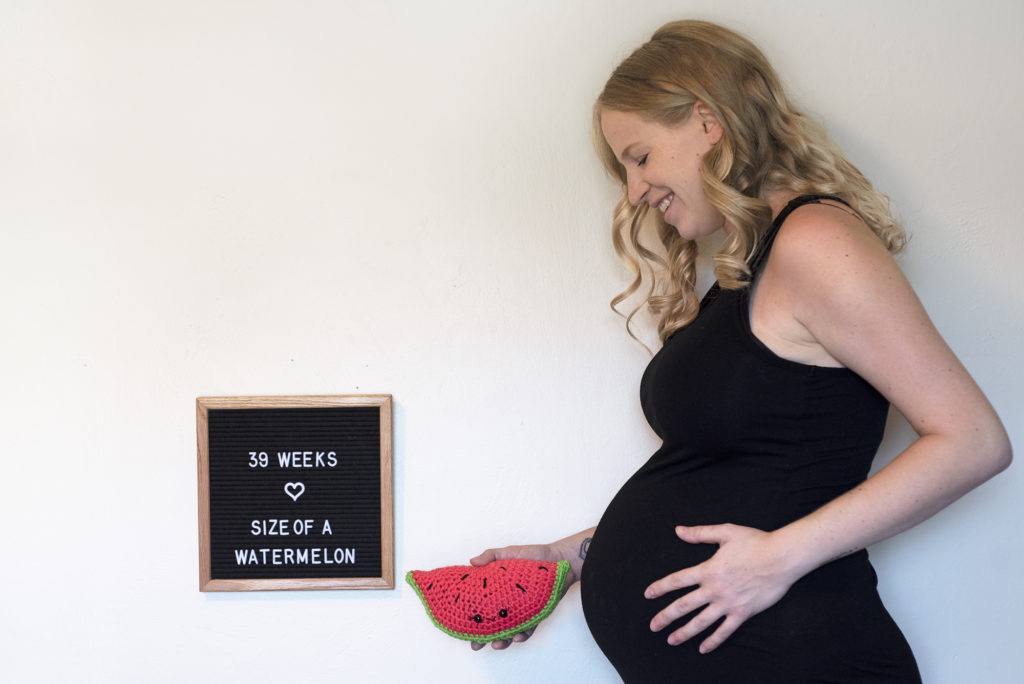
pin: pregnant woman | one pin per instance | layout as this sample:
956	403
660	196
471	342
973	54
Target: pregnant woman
736	553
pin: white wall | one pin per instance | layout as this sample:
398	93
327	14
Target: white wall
237	197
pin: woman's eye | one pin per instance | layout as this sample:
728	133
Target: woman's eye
641	161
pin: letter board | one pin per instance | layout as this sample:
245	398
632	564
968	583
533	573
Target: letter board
295	493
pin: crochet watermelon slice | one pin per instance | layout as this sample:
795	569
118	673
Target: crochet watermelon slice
490	602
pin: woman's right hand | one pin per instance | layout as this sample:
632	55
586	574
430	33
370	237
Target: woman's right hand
571	549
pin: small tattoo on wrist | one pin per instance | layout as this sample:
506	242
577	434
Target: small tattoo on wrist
584	547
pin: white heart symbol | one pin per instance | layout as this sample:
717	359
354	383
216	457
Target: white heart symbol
294	490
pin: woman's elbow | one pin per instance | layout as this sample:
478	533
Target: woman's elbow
1004	455
997	451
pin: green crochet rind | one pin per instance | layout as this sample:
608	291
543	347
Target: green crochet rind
561	572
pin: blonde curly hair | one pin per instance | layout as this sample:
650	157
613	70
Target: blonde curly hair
768	146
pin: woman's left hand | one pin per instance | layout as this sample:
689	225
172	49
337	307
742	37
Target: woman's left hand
747	574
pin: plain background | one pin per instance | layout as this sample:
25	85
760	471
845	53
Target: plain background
267	197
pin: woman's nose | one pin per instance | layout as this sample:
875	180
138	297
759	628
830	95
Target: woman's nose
636	189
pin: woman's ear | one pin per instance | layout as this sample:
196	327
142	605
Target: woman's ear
712	126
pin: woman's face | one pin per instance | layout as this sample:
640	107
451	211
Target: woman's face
662	166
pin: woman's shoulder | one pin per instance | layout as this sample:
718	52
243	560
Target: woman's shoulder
826	240
824	272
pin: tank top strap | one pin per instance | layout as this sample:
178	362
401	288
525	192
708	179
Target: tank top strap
769	238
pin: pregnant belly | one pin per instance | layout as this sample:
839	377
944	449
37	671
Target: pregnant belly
635	544
639	523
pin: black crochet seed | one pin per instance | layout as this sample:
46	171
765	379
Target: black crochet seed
478	618
503	613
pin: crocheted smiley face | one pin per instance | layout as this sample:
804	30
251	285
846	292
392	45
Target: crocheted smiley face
490	602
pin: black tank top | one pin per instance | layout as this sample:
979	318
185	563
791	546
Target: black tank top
758	440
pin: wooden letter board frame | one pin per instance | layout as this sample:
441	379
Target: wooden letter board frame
207	582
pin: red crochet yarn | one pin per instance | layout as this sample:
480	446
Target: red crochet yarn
491	602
